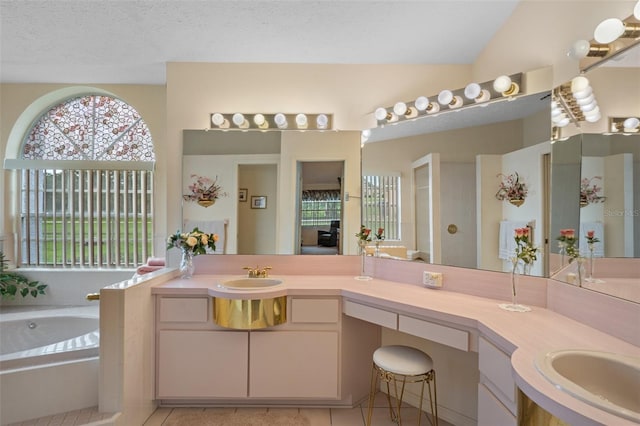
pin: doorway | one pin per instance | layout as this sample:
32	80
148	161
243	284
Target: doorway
319	207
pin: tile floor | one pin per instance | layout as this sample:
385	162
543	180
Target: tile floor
317	416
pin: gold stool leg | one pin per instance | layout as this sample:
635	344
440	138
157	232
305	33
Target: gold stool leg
372	392
433	398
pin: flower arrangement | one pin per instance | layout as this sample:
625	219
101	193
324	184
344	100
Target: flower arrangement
195	241
589	192
511	188
364	236
380	234
525	250
204	188
567	243
591	238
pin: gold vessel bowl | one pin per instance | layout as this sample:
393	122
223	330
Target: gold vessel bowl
249	314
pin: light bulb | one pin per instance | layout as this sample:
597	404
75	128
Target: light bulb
445	97
592	118
421	103
400	108
563	122
259	120
504	85
556	111
365	135
217	119
583	93
579	83
631	122
579	49
559	117
301	121
322	121
472	91
608	30
381	114
636	11
281	120
585	101
594	111
238	119
588	107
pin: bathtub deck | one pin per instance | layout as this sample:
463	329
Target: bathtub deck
86	416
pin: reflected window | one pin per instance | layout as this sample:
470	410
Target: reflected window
381	204
320	207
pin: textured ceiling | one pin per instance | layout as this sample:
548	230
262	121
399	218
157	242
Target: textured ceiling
130	41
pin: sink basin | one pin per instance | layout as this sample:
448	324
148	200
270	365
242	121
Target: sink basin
249	283
604	380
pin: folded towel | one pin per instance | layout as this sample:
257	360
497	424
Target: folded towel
145	269
155	261
507	242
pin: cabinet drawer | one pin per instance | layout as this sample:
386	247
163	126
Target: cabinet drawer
183	309
495	365
435	332
315	310
370	314
491	411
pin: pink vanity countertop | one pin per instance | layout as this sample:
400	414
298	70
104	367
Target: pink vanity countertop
526	335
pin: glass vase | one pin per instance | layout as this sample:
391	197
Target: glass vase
514	306
363	254
376	253
186	264
590	278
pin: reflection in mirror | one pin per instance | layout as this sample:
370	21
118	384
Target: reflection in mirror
474	146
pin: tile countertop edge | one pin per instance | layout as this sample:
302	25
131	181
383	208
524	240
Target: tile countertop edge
539	332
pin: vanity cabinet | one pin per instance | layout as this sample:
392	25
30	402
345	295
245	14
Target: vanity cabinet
198	360
497	391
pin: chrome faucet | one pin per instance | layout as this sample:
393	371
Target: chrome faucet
257	272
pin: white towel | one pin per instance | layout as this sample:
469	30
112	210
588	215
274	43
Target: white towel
507	242
598	248
210	227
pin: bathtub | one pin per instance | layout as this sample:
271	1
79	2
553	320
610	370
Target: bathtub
49	361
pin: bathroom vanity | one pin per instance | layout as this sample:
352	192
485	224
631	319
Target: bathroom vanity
321	355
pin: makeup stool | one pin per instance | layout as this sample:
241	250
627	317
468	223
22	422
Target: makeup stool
403	364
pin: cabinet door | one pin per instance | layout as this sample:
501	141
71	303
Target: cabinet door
491	412
202	364
294	364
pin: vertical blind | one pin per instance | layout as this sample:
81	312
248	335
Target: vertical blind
381	204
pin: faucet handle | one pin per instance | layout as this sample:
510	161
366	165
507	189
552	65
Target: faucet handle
250	271
265	271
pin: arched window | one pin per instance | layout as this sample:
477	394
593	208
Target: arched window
86	185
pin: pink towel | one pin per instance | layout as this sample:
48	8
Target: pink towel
145	269
155	261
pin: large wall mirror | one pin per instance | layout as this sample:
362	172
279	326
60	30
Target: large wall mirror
267	178
604	164
451	166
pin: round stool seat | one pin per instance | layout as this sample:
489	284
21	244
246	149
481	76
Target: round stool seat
403	360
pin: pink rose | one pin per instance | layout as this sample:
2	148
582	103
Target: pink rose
591	234
519	232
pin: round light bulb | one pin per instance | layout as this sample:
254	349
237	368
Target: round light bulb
559	117
631	122
636	11
502	83
380	114
608	30
322	121
280	120
217	119
579	83
563	122
588	107
365	135
585	101
421	103
301	120
400	108
583	93
592	118
556	111
445	97
579	49
259	120
238	119
594	111
472	91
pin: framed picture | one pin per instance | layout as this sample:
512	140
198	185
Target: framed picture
242	195
259	202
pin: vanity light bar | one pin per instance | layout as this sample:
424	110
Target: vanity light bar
266	122
474	94
624	125
574	102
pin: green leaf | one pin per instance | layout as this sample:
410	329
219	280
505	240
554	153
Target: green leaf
24	292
